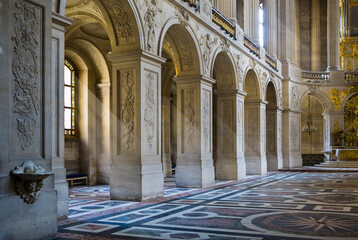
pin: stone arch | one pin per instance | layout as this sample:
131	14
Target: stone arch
344	101
252	85
276	92
120	19
95	56
224	67
58	6
322	97
181	44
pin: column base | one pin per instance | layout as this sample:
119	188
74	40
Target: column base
194	176
61	186
256	165
292	159
167	165
272	162
229	169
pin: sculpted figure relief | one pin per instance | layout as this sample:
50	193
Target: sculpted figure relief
151	23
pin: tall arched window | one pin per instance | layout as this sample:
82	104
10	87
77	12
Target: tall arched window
261	23
70	113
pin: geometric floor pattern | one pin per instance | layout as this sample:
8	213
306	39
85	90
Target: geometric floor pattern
284	205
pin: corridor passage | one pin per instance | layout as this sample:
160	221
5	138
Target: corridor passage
284	205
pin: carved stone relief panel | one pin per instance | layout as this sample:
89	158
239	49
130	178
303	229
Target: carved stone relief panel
207	44
189	128
151	23
294	101
295	134
252	131
279	124
27	78
150	112
206	115
271	132
240	127
127	101
262	123
226	124
122	21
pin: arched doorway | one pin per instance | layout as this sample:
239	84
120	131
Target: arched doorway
272	116
193	125
312	141
255	124
227	102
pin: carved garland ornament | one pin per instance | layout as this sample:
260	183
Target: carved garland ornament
206	120
26	71
127	85
150	111
189	116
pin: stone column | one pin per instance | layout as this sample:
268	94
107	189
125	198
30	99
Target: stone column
251	24
297	33
333	35
316	36
103	142
166	153
229	160
291	138
229	9
26	105
270	22
332	119
255	137
136	172
194	123
273	139
59	23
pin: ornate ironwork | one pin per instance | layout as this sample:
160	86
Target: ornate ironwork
225	24
271	61
254	48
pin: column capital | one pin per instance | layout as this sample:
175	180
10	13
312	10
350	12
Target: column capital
120	57
103	88
194	79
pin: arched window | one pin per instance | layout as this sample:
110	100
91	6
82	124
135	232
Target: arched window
261	23
70	113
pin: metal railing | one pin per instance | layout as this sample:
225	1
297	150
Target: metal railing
315	77
254	48
225	24
271	61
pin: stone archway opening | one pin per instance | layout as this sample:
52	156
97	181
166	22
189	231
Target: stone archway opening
312	143
255	124
350	121
271	128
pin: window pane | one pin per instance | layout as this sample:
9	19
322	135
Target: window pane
67	118
67	76
67	96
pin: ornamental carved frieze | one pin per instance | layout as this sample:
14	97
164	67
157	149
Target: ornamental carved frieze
206	121
26	71
127	111
121	20
150	19
150	110
207	43
189	117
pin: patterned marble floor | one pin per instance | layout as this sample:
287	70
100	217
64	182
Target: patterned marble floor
285	205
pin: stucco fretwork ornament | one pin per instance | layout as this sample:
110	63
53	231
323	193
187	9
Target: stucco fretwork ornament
150	110
150	19
25	68
294	97
127	111
189	116
121	20
29	180
207	43
183	16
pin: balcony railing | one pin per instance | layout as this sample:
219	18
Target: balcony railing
254	48
271	61
223	22
315	77
193	3
350	77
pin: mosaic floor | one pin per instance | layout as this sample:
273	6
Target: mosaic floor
285	205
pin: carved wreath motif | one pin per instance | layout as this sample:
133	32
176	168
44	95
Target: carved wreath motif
26	71
127	107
